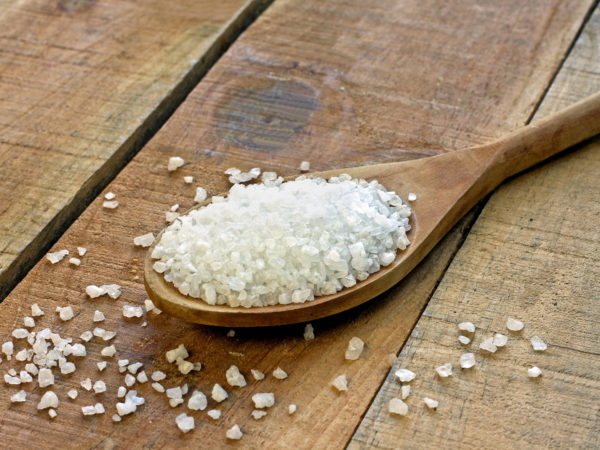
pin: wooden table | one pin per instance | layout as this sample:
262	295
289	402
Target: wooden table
96	96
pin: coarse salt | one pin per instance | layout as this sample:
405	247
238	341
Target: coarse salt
405	375
197	401
109	196
158	375
201	195
145	240
74	261
48	400
98	316
464	340
340	383
65	313
488	345
184	422
58	256
445	370
411	196
500	340
305	166
19	397
538	344
81	251
309	332
405	391
534	372
263	400
234	377
467	360
514	324
110	204
431	404
175	162
398	407
188	179
467	327
36	311
257	374
257	414
280	374
218	394
234	433
131	311
214	414
355	348
291	408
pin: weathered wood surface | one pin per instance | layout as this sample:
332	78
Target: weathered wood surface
82	86
532	255
339	84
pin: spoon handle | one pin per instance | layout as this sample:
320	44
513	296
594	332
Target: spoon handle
546	137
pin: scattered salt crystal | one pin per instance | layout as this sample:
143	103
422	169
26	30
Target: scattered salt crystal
258	414
74	261
538	344
20	333
500	340
397	406
158	387
174	392
201	195
99	332
431	404
467	360
280	374
257	374
142	377
108	335
88	410
11	379
514	324
218	394
268	176
214	414
355	348
55	257
94	291
184	366
129	380
8	349
12	372
405	375
144	324
86	336
87	384
134	367
65	313
99	387
48	400
445	370
19	397
412	196
534	372
234	377
81	251
174	402
109	351
184	422
98	316
52	413
173	208
36	311
231	333
464	340
72	394
466	326
188	179
110	196
31	368
234	433
309	332
110	204
263	400
488	345
157	375
145	240
116	418
340	383
45	377
305	166
179	352
130	311
99	407
127	407
175	162
405	391
67	367
170	216
197	401
121	391
149	305
21	355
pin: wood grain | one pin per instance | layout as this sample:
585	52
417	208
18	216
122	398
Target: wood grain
416	77
83	85
533	255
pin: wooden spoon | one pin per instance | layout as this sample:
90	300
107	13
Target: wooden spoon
447	186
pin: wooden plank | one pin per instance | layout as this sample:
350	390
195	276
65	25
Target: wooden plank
415	76
82	86
532	255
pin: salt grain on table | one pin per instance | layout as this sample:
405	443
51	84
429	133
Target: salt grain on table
464	340
263	400
234	433
48	400
405	391
214	414
431	404
184	422
291	408
175	162
445	370
398	407
534	372
340	383
355	348
36	311
280	374
309	332
467	360
538	344
404	375
197	401
110	204
218	394
188	179
130	311
158	375
257	374
488	345
74	261
258	414
145	240
19	397
500	340
514	324
466	326
55	257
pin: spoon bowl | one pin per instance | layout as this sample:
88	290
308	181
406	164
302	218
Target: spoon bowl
446	185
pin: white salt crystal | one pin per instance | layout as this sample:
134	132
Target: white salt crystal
280	374
108	335
55	257
175	162
94	291
263	400
258	414
234	377
67	367
52	413
31	368
109	351
500	340
142	377
116	418
538	344
268	176
8	349
174	402
74	261
110	196
197	401
158	387
464	340
355	348
234	433
174	208
257	374
130	311
431	404
99	407
149	305
11	379
397	406
218	394
86	336
170	216
309	332
158	375
179	352
340	383
184	366
201	195
445	370
98	316
188	179
48	400
36	311
72	394
145	240
125	408
65	313
129	380
45	377
412	196
231	333
20	333
75	350
81	251
214	414
88	410
87	384
514	324
405	391
21	355
405	375
174	392
466	326
19	397
99	387
110	204
534	372
305	166
467	360
12	372
184	422
121	392
134	367
488	345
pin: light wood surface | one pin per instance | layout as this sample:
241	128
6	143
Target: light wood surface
448	186
531	255
83	84
417	76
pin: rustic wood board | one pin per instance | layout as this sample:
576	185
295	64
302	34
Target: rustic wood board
533	255
274	102
82	86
